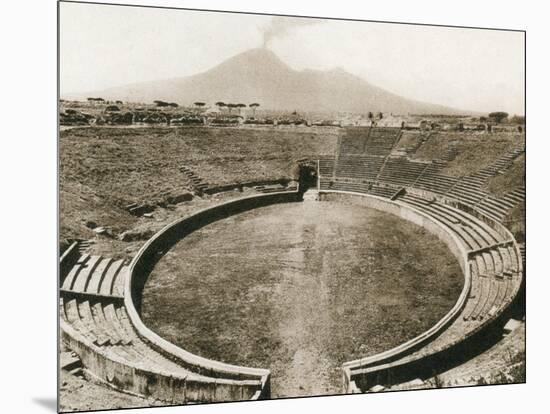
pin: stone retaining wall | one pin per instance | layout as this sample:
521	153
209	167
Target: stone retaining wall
155	248
410	214
223	382
381	365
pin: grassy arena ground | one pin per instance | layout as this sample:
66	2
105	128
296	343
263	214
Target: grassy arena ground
301	288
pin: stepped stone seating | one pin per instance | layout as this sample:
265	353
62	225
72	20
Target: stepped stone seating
409	150
382	191
95	275
493	207
490	286
325	183
468	189
113	280
498	207
495	278
373	141
401	171
326	167
84	245
495	269
381	141
364	167
431	180
500	164
522	251
107	326
516	196
91	303
474	233
466	193
357	186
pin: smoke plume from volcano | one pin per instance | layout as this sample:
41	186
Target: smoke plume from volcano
279	26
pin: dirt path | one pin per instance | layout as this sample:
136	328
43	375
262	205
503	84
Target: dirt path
306	301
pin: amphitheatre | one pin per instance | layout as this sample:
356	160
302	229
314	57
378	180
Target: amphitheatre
205	264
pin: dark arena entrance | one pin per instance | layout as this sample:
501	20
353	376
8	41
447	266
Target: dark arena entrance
307	175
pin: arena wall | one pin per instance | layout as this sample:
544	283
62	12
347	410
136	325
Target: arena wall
231	382
209	381
239	186
454	246
499	228
153	250
119	375
394	366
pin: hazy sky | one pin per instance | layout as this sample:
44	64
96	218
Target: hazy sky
104	46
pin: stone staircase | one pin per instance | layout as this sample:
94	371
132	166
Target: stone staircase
194	181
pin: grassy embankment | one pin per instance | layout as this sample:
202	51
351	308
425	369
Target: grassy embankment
474	151
104	169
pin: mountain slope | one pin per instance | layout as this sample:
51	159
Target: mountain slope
258	75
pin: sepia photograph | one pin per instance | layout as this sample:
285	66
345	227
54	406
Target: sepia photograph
265	206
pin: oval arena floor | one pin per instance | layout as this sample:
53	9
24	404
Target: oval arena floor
299	288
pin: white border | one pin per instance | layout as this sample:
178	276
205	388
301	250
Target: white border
28	171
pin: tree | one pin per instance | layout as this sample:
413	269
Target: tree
230	106
173	104
240	106
516	119
220	105
254	106
380	115
95	100
370	115
160	103
199	104
498	117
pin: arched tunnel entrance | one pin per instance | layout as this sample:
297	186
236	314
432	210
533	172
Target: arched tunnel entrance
307	175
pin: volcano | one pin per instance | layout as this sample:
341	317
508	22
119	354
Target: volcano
258	75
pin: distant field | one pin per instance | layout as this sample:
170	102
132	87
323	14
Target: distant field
300	288
474	151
